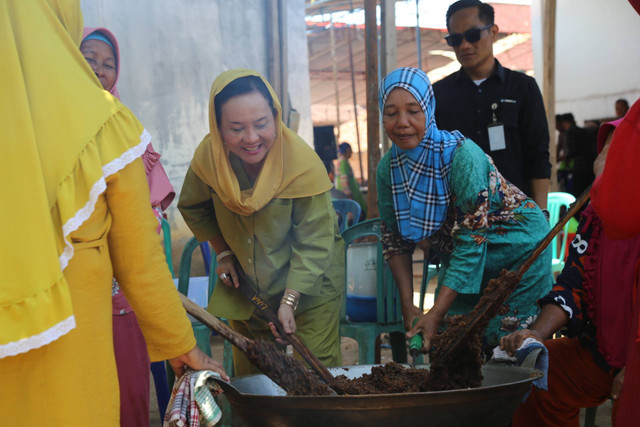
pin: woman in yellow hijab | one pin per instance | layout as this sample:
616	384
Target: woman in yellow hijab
260	195
75	214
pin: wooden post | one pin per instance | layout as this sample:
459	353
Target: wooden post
334	59
418	35
284	63
273	35
353	95
373	125
277	39
388	48
549	82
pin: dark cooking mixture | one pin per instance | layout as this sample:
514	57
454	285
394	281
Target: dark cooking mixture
389	378
461	369
463	366
284	370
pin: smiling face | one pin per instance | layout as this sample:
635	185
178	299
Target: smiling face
247	126
477	57
403	119
102	60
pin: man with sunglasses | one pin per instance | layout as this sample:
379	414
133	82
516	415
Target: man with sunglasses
499	109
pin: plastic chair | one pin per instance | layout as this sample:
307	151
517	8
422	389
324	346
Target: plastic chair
198	289
206	256
166	234
194	288
555	202
429	271
343	208
388	308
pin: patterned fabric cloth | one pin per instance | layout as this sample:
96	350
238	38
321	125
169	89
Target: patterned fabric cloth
420	176
192	402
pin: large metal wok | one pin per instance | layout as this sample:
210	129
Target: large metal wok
260	402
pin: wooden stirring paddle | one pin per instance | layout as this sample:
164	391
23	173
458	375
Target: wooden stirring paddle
293	339
488	306
288	373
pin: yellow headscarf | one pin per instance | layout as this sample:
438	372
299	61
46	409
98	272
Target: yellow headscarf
291	169
62	136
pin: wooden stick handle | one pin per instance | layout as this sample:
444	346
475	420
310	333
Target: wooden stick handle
214	323
295	341
575	207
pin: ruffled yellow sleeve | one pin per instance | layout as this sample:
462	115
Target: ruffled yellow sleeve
140	266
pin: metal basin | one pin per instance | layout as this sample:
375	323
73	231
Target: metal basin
260	402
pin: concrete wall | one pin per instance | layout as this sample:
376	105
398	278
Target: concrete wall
170	54
597	57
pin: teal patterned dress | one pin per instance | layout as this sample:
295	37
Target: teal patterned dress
490	225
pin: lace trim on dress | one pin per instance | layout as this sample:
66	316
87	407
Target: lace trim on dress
98	188
39	340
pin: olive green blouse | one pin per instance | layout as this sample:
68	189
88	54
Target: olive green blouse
289	243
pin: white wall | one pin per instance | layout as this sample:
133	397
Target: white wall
597	55
171	51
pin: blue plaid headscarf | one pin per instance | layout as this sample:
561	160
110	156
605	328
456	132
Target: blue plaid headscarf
420	176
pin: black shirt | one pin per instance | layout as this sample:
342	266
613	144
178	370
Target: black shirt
464	106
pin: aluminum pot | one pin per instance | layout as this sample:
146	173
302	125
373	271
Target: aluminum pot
260	402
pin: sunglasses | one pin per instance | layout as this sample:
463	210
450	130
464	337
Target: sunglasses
472	35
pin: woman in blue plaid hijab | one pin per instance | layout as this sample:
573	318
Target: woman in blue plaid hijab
420	174
438	190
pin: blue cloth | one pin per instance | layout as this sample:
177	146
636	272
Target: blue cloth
420	176
541	363
98	35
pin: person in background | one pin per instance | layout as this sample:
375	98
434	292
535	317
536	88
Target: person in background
621	107
345	181
440	191
76	193
590	303
100	49
576	152
565	163
335	193
260	195
499	109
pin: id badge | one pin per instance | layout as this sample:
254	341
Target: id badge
496	137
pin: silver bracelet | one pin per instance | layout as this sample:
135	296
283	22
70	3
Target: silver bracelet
223	254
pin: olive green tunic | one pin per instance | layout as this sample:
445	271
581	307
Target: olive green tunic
289	243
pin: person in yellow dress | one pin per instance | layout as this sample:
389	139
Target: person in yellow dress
260	195
75	214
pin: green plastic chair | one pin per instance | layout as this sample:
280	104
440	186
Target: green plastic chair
201	331
166	234
555	202
388	308
429	271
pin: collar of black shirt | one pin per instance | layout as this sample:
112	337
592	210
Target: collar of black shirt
498	72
